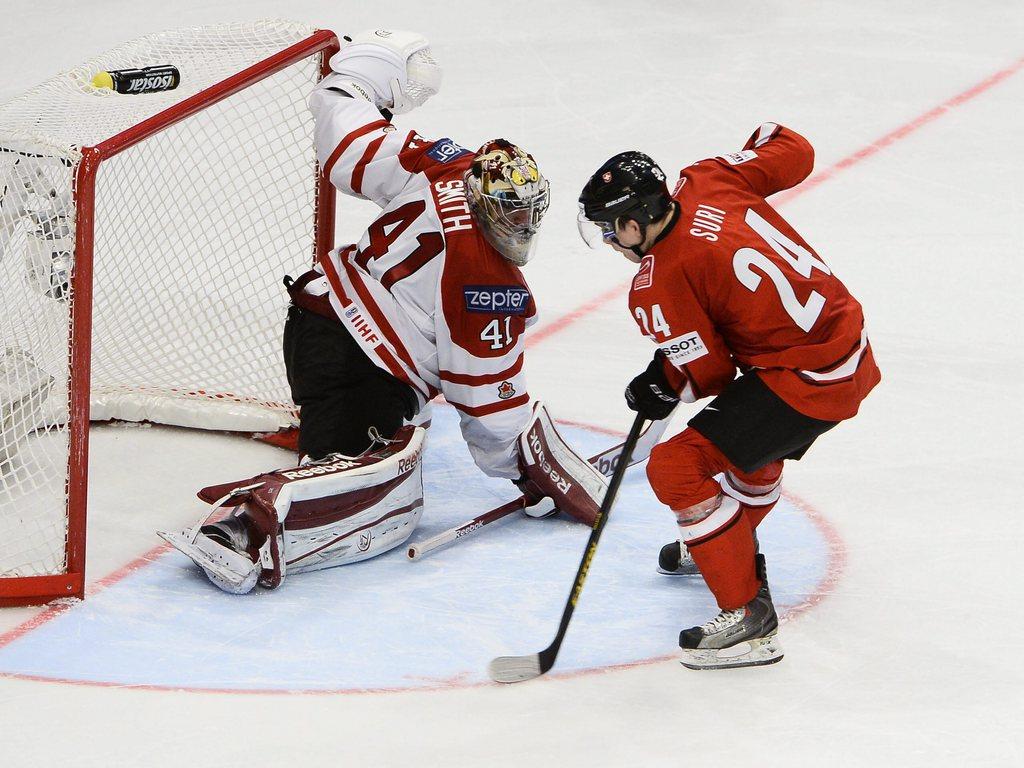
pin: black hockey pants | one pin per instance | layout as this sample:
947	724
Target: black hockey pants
339	390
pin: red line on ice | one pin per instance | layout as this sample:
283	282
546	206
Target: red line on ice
54	610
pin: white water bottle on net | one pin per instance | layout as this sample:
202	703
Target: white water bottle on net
143	239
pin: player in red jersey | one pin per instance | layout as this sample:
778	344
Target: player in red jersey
726	285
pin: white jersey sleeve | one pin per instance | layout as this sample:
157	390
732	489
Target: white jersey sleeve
361	152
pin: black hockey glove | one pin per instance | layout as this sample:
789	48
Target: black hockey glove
650	393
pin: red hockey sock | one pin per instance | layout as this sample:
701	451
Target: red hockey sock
755	515
726	562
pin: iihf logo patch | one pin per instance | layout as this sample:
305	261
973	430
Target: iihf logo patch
506	390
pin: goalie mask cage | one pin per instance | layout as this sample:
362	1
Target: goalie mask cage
143	239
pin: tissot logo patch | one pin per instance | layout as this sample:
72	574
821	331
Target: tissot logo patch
684	349
445	150
496	299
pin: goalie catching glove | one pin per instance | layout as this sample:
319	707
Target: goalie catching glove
331	512
391	68
550	468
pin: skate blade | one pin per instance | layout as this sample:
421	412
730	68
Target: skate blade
751	653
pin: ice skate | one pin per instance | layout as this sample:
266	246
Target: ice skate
675	560
231	532
744	637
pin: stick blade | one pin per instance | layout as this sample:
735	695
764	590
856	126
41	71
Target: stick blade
515	669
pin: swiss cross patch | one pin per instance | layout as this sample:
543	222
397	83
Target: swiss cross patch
506	390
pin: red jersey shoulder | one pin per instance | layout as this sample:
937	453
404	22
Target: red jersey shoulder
773	159
433	157
448	190
484	297
711	203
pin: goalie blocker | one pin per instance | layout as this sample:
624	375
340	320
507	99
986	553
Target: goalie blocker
331	512
550	468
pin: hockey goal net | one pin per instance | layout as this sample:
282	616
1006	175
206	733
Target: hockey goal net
143	239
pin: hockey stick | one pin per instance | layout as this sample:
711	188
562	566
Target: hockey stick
516	669
418	550
604	462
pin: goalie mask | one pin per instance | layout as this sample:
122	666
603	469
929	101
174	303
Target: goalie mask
508	196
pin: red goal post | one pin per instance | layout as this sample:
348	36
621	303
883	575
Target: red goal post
142	243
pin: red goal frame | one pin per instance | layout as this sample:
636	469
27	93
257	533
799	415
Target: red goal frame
36	590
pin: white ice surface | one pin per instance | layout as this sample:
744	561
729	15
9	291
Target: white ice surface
391	624
913	659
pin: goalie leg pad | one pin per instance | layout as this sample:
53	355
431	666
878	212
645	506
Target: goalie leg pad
332	512
557	471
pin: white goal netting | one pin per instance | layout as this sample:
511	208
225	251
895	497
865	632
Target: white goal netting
193	230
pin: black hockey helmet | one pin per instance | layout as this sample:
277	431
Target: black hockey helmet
629	185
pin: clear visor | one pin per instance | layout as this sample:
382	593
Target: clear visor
595	233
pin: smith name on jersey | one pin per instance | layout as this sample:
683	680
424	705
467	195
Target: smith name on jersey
425	295
731	284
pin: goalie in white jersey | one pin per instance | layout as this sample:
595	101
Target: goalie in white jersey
430	301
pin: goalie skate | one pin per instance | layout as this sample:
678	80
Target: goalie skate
226	568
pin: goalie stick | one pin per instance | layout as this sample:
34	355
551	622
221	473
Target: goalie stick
516	669
605	463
